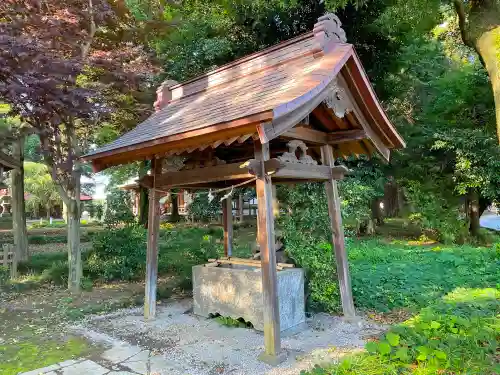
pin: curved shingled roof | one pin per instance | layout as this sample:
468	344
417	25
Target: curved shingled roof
267	92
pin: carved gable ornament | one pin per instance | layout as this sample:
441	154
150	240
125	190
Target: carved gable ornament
295	148
338	101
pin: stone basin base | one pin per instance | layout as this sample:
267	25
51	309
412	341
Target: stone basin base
236	291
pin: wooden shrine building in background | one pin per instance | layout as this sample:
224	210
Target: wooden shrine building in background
281	115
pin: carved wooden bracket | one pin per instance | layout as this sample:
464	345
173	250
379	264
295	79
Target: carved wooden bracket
194	164
173	163
338	101
295	148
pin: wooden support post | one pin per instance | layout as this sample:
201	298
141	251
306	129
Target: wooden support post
240	208
276	205
265	219
332	195
227	219
152	245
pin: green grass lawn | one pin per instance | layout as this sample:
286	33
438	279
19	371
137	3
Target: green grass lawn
454	293
450	292
389	275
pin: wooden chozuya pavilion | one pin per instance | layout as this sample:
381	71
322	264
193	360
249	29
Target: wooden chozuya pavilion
281	115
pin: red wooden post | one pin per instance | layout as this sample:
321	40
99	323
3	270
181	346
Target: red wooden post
227	219
152	245
332	195
265	219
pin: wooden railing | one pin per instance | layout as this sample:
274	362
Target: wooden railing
8	259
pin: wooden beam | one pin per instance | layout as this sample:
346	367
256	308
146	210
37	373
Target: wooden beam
227	218
240	208
310	136
332	195
280	169
188	177
272	339
152	245
343	136
229	141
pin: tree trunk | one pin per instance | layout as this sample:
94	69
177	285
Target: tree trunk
18	204
143	197
488	46
484	30
48	212
74	253
377	214
174	217
484	203
473	213
74	212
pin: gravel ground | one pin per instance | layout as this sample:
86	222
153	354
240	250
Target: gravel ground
179	343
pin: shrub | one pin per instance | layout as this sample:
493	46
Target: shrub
37	263
4	275
438	215
118	254
57	273
307	236
41	239
181	250
202	209
118	208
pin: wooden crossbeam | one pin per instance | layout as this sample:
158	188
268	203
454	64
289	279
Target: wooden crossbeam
306	135
343	136
280	169
312	136
295	171
223	172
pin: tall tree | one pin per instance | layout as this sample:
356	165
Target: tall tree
18	203
59	61
478	21
40	187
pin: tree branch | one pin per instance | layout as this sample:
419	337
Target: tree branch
462	22
92	31
53	170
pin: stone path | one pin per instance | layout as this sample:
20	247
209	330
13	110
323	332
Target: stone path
180	343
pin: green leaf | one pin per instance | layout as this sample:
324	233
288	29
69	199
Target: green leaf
435	325
392	338
439	354
402	354
384	348
371	347
422	357
423	349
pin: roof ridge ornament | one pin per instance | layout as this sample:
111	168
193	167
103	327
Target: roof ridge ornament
328	29
164	94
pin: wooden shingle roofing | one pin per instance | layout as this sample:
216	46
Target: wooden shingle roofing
265	93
